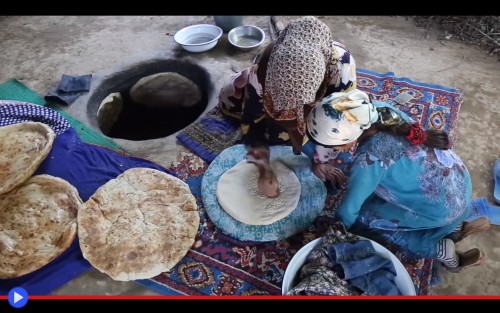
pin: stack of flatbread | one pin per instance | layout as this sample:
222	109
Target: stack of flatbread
138	225
135	226
37	214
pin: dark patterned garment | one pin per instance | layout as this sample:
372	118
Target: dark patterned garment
405	195
242	97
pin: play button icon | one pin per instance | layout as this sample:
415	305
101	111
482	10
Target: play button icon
18	297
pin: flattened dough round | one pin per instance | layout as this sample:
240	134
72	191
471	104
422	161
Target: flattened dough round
138	225
37	224
23	147
239	196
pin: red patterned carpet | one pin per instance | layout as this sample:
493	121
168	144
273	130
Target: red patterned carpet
220	265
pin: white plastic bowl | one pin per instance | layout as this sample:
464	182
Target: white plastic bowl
403	280
199	37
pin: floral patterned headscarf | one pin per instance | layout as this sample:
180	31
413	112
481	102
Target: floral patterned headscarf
297	70
341	118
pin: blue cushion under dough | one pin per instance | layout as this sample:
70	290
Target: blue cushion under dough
311	202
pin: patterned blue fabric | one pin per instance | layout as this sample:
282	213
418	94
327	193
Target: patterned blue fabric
404	195
311	203
85	166
13	112
481	207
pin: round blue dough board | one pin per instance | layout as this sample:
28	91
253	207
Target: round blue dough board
311	202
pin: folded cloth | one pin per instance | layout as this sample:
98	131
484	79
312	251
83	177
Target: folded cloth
212	134
85	166
359	264
69	88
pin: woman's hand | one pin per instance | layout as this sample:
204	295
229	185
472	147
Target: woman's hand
325	171
268	182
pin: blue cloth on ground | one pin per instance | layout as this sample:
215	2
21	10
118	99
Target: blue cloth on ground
496	177
358	263
69	88
85	166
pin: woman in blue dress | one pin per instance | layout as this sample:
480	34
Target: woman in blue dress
406	188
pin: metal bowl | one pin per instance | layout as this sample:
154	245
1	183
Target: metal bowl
198	38
246	37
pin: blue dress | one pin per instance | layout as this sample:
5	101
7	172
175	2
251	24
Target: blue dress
404	195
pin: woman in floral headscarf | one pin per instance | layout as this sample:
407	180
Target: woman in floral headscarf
405	188
274	96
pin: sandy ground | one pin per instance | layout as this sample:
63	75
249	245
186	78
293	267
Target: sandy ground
38	49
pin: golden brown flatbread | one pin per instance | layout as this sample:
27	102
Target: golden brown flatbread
138	225
37	223
23	147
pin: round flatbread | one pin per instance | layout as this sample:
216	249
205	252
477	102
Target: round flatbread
239	195
37	223
23	147
138	225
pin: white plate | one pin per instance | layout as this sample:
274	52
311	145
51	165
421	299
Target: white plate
403	280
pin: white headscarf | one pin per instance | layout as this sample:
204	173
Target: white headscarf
341	118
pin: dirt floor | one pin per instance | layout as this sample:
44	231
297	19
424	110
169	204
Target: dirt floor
37	50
